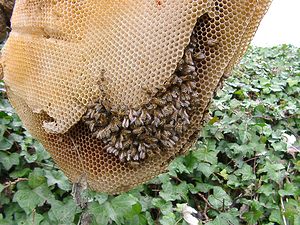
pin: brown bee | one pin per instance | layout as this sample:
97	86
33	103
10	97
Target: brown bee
125	123
188	57
198	56
212	42
138	130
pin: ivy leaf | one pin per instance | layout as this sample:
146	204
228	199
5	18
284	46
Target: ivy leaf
164	206
252	216
58	177
9	160
178	166
34	219
276	216
20	173
225	219
100	213
168	219
5	144
219	198
205	155
274	171
101	197
246	172
116	209
173	192
289	189
62	212
36	178
266	189
224	174
29	199
123	203
206	169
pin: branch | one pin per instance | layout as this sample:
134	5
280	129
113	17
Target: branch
10	183
206	201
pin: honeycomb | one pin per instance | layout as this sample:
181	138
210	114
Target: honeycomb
115	90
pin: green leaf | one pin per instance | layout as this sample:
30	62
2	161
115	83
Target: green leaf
36	178
34	219
224	219
62	212
276	216
177	165
101	198
9	160
165	207
173	192
28	200
5	144
123	203
252	216
219	198
246	172
224	174
205	155
206	169
20	173
273	171
289	189
58	177
168	219
266	189
100	213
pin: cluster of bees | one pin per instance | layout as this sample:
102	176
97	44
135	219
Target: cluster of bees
134	134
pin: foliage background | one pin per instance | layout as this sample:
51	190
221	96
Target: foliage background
241	170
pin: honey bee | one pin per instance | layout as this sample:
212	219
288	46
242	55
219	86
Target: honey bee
125	123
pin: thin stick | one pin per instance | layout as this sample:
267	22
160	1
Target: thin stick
283	211
10	183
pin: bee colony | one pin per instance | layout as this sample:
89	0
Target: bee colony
115	90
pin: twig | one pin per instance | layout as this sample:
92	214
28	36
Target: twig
176	178
283	211
205	212
10	183
206	201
